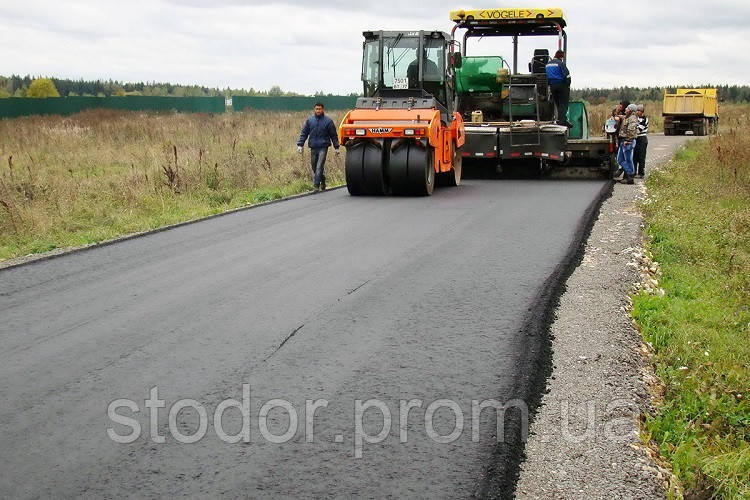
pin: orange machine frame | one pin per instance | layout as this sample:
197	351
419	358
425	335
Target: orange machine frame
396	123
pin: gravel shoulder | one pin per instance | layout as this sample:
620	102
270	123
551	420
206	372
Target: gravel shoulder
584	440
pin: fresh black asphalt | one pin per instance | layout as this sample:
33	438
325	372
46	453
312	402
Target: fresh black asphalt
320	297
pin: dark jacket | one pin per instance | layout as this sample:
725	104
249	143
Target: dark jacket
321	131
557	72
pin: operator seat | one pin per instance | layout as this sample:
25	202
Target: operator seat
537	67
539	61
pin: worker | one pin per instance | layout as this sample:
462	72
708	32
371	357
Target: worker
619	116
429	68
558	78
628	134
321	133
641	143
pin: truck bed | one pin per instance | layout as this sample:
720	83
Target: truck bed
689	105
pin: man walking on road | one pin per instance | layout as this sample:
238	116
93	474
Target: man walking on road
558	78
641	143
628	133
321	133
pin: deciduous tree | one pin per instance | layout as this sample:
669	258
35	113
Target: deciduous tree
42	87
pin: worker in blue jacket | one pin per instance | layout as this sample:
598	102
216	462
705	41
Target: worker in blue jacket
558	78
320	131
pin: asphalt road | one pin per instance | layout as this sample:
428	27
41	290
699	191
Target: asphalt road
321	297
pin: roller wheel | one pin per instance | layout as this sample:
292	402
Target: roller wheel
420	170
398	169
364	170
373	170
353	170
411	171
452	178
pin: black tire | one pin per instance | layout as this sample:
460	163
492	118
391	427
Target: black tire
703	129
364	170
353	170
410	170
397	169
452	178
373	171
420	170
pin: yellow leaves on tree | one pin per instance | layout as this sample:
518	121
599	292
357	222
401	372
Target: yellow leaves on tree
42	87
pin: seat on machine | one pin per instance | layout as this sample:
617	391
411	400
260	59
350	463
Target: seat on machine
539	61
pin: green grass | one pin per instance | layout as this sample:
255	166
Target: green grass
698	230
97	175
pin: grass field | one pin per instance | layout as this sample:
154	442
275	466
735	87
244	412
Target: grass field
67	181
698	230
100	174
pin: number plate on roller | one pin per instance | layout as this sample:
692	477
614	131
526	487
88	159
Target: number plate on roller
401	83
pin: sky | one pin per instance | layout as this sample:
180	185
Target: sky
306	46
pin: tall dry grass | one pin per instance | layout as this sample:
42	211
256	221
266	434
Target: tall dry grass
103	173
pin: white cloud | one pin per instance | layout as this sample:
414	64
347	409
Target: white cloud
307	46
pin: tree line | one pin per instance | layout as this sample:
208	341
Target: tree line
727	93
18	86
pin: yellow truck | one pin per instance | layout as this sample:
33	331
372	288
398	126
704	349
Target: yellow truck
691	109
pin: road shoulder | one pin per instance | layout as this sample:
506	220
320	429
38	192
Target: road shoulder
584	440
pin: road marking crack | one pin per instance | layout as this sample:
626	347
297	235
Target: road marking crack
355	289
294	332
288	337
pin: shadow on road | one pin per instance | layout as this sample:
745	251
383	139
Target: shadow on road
488	169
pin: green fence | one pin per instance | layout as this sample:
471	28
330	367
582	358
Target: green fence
296	103
23	106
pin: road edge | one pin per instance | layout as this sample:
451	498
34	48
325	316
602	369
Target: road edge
535	364
60	252
586	440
